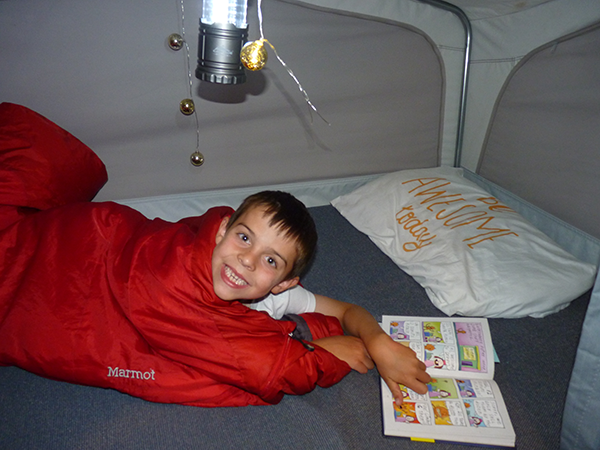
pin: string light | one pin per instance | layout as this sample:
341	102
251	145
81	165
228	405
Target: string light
187	106
254	57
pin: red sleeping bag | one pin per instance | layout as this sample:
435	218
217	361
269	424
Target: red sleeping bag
97	294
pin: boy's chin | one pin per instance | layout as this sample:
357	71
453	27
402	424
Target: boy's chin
231	295
226	296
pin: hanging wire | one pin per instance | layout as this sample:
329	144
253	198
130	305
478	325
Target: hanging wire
189	73
260	20
286	67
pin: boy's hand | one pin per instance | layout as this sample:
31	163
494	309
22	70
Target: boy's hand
398	364
349	349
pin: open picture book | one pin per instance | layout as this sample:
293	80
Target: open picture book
463	402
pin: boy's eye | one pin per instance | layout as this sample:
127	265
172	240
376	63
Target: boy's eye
271	261
243	237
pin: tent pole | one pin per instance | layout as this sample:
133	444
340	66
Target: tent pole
463	95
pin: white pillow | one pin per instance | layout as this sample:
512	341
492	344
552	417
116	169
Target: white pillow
473	255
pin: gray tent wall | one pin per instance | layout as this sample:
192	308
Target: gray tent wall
503	33
542	144
103	72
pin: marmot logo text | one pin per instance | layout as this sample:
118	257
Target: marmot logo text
127	373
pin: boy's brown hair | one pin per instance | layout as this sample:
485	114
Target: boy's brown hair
290	216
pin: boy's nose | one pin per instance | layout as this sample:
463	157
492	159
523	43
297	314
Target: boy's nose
247	259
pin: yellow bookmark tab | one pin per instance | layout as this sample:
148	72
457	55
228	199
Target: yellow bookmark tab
422	440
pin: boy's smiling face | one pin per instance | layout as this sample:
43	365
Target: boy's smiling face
252	258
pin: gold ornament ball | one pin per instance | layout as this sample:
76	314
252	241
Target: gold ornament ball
186	106
197	159
175	41
254	55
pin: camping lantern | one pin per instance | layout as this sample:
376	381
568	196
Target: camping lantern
223	32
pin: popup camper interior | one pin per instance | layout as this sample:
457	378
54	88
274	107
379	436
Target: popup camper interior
447	151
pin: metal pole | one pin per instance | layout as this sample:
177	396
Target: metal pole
463	95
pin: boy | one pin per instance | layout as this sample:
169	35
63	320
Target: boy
264	247
97	294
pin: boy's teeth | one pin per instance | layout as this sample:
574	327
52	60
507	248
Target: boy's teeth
233	277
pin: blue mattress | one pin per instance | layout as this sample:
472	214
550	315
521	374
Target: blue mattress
536	359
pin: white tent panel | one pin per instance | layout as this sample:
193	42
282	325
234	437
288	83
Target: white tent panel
504	31
499	43
443	27
103	72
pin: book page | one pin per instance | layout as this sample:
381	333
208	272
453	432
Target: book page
449	346
463	410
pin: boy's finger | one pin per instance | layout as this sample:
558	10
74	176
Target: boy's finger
419	388
369	362
396	391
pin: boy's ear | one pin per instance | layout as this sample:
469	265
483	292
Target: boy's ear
285	285
222	229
